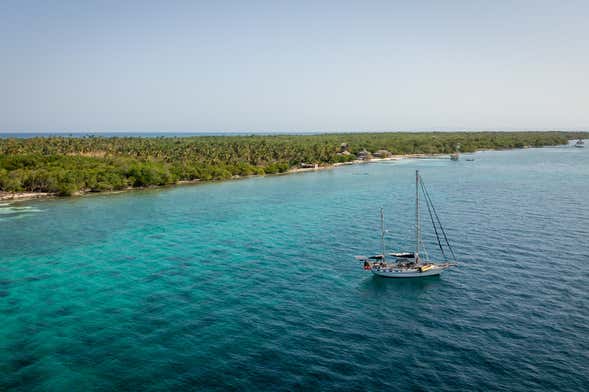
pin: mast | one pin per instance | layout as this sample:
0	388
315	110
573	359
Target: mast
382	231
417	228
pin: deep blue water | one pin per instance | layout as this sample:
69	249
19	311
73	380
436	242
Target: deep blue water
252	285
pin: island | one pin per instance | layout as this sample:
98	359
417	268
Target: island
66	165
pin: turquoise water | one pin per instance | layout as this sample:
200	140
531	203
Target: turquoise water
252	285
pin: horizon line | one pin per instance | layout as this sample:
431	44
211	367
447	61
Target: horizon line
441	130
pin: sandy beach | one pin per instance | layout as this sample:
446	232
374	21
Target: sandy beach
20	196
24	196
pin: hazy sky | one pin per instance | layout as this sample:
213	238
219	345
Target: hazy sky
293	65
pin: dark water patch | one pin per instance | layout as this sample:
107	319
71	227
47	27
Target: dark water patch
61	312
36	278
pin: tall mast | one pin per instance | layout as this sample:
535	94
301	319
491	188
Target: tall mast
382	232
417	228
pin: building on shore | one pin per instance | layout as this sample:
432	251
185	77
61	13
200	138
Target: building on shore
364	155
309	166
382	154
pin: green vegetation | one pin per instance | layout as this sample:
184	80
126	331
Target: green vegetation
65	165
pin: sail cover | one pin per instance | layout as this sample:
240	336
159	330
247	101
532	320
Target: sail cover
407	255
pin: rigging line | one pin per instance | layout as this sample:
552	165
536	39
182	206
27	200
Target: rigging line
439	222
438	219
425	251
429	207
429	200
427	203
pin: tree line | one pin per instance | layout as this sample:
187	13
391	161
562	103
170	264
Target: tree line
66	165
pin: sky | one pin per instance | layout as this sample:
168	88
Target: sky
293	65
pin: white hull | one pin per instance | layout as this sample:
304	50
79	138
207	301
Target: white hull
406	273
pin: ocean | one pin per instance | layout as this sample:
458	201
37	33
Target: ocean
252	284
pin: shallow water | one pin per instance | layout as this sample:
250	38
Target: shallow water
252	284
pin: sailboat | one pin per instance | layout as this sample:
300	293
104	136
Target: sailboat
580	143
411	264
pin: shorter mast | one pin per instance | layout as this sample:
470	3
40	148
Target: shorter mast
417	228
382	232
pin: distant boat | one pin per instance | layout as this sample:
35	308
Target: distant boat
411	264
455	156
580	143
470	159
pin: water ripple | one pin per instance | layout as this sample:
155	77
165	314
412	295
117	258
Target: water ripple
251	285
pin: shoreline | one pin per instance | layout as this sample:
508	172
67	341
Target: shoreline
27	196
24	196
